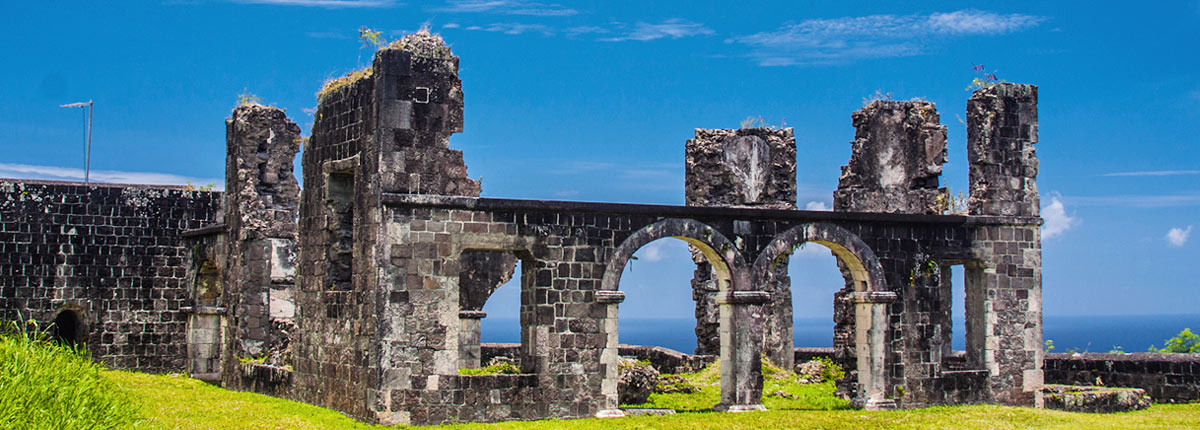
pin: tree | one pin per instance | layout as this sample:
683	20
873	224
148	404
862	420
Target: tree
1184	342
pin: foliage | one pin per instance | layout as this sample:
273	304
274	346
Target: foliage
1184	342
831	372
371	39
878	96
1049	345
983	79
248	98
493	369
758	122
1117	349
190	187
951	203
47	385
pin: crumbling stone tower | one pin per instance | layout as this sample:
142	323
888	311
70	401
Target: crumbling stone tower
261	205
749	167
897	157
385	132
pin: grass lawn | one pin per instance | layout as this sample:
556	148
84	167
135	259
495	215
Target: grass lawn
176	402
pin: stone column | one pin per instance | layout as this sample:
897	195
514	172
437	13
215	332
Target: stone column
609	357
742	322
469	338
1001	132
871	320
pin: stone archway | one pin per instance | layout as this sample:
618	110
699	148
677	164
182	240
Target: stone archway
871	298
741	373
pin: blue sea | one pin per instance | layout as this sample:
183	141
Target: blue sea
1133	333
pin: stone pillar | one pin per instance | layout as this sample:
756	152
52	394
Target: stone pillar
896	160
609	357
742	323
871	311
469	348
1001	131
750	167
261	205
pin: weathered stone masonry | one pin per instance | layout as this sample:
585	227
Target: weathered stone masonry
110	254
395	256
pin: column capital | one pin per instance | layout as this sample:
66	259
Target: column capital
609	296
874	297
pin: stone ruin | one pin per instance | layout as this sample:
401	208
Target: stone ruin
363	291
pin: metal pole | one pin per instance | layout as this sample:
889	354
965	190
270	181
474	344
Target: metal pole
87	162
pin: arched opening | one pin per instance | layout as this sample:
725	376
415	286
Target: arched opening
658	309
821	309
489	310
864	315
740	382
69	329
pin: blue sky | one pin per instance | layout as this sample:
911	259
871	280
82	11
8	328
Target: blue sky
594	102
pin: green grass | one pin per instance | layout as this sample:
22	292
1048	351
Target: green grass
177	402
819	396
46	385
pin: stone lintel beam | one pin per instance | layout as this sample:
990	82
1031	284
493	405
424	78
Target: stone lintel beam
477	315
610	297
743	297
874	297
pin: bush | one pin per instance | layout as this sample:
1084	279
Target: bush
1184	342
47	385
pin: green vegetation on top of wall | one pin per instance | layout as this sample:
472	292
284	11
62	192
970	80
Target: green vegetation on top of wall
1184	342
45	385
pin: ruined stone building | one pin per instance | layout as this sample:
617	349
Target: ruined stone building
363	291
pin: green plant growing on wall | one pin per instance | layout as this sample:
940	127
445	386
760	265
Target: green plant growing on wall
246	98
879	95
1184	342
983	78
1049	345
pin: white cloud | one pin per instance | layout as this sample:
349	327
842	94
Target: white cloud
817	41
815	206
26	171
674	28
506	7
451	25
328	4
1056	219
575	167
1178	236
514	28
1156	173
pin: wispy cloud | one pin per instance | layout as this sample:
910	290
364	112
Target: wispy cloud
328	4
514	28
506	7
818	41
1138	201
1177	237
1056	219
1156	173
816	206
27	171
674	28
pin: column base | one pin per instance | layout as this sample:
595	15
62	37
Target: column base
740	408
875	404
610	413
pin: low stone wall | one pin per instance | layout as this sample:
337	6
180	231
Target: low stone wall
664	360
265	379
475	398
1167	378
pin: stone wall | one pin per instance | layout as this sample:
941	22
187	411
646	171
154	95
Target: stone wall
1002	127
896	160
1167	378
112	254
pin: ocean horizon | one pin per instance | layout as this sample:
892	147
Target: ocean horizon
1082	333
